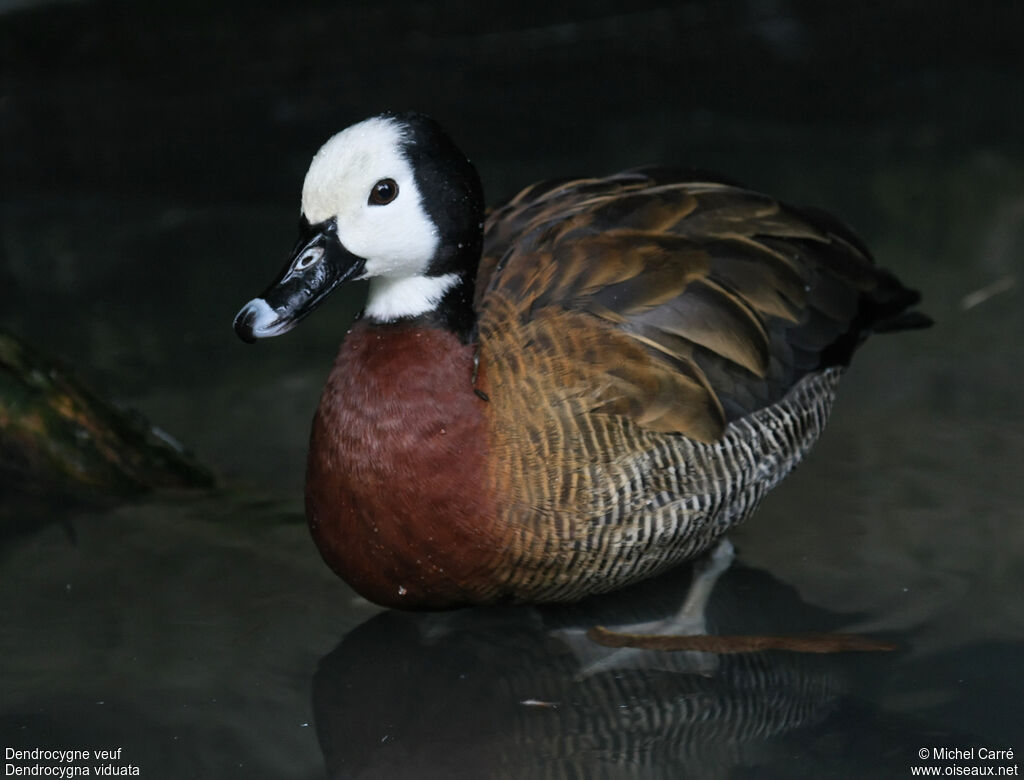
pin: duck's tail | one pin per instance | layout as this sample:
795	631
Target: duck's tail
892	306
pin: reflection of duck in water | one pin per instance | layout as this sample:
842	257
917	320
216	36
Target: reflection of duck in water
497	693
592	385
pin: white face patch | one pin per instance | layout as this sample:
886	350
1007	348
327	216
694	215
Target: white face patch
398	239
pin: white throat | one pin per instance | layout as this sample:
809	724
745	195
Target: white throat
392	298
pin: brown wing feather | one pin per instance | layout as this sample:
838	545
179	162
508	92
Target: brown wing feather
693	302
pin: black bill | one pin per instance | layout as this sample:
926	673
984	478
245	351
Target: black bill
319	263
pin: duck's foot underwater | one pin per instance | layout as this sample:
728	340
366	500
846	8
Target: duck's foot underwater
688	621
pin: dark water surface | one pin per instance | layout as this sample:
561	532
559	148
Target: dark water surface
151	160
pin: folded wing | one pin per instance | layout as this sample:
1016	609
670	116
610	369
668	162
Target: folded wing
683	302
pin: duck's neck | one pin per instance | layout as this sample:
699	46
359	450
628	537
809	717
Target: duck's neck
440	301
440	297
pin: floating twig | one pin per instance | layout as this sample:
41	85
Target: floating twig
709	643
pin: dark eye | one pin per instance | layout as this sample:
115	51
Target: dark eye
383	192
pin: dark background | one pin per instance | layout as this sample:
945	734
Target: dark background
152	153
151	157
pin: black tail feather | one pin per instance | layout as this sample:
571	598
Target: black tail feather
885	309
908	320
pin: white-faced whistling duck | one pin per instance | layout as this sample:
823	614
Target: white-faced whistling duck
577	390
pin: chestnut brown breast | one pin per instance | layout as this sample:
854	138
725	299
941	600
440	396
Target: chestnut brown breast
397	494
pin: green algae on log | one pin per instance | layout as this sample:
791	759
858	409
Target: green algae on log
57	436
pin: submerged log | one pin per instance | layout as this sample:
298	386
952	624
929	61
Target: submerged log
56	436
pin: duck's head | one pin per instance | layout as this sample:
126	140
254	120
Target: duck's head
392	200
